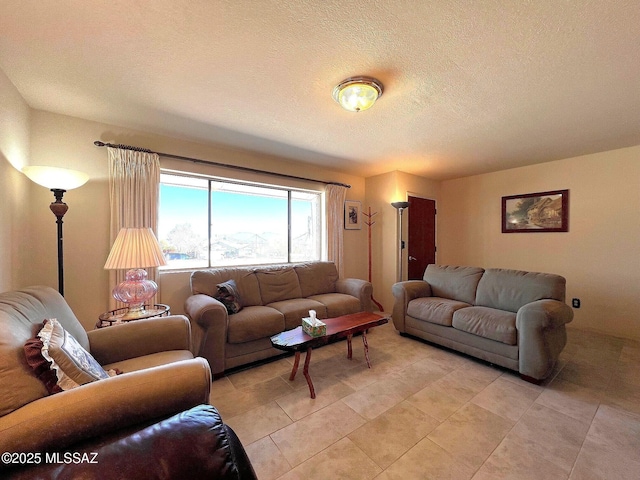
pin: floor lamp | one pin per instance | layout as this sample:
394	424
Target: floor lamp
58	180
400	206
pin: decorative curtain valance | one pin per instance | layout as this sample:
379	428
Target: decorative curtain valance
134	186
336	195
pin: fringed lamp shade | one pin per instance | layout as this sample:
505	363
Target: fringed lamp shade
135	249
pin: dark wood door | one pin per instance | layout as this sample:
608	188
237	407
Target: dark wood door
422	236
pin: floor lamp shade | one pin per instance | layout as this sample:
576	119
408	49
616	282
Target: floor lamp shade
56	178
134	250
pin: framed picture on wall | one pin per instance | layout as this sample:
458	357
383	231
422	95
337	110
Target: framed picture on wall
352	215
536	212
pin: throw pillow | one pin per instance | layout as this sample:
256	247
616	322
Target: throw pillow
228	295
73	364
40	366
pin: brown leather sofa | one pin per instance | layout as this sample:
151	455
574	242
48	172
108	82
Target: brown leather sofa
274	298
160	378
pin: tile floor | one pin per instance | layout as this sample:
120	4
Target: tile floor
422	412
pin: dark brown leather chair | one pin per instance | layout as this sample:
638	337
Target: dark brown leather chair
194	445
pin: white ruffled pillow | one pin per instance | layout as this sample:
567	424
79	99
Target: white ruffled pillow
74	366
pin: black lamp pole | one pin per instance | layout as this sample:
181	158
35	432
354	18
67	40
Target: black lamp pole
59	208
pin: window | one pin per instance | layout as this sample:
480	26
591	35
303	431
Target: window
211	222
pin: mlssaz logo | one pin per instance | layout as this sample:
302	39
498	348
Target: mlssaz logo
71	457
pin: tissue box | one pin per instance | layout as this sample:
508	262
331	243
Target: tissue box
318	330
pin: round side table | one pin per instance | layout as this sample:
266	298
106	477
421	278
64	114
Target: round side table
116	317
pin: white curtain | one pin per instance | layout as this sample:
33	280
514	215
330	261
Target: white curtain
336	195
134	186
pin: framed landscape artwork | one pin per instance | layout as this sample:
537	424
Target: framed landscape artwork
352	215
536	212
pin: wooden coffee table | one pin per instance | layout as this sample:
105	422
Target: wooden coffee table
337	328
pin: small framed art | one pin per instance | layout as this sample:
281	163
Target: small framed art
352	215
536	212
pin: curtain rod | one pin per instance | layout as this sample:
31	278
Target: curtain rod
98	143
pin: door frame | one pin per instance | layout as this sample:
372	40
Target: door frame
435	227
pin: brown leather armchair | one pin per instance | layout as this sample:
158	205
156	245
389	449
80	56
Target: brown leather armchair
193	444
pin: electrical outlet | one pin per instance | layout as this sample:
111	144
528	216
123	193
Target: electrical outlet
575	303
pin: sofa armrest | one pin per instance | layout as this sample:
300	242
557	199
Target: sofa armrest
361	289
403	293
543	314
140	337
210	321
541	336
93	409
206	311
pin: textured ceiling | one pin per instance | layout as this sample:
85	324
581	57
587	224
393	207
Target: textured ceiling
470	87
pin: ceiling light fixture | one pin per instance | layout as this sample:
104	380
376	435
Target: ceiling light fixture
357	93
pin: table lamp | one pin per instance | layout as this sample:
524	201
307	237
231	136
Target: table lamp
135	249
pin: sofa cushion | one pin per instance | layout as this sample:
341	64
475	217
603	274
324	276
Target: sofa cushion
317	278
498	325
456	283
14	370
296	308
434	309
253	323
277	285
511	289
48	303
338	304
21	315
206	282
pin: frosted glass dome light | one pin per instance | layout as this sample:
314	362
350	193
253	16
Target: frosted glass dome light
357	94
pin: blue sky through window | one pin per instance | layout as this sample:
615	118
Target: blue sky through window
249	223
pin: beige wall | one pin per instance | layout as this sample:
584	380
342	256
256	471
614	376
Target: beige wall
14	154
381	191
599	256
59	140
